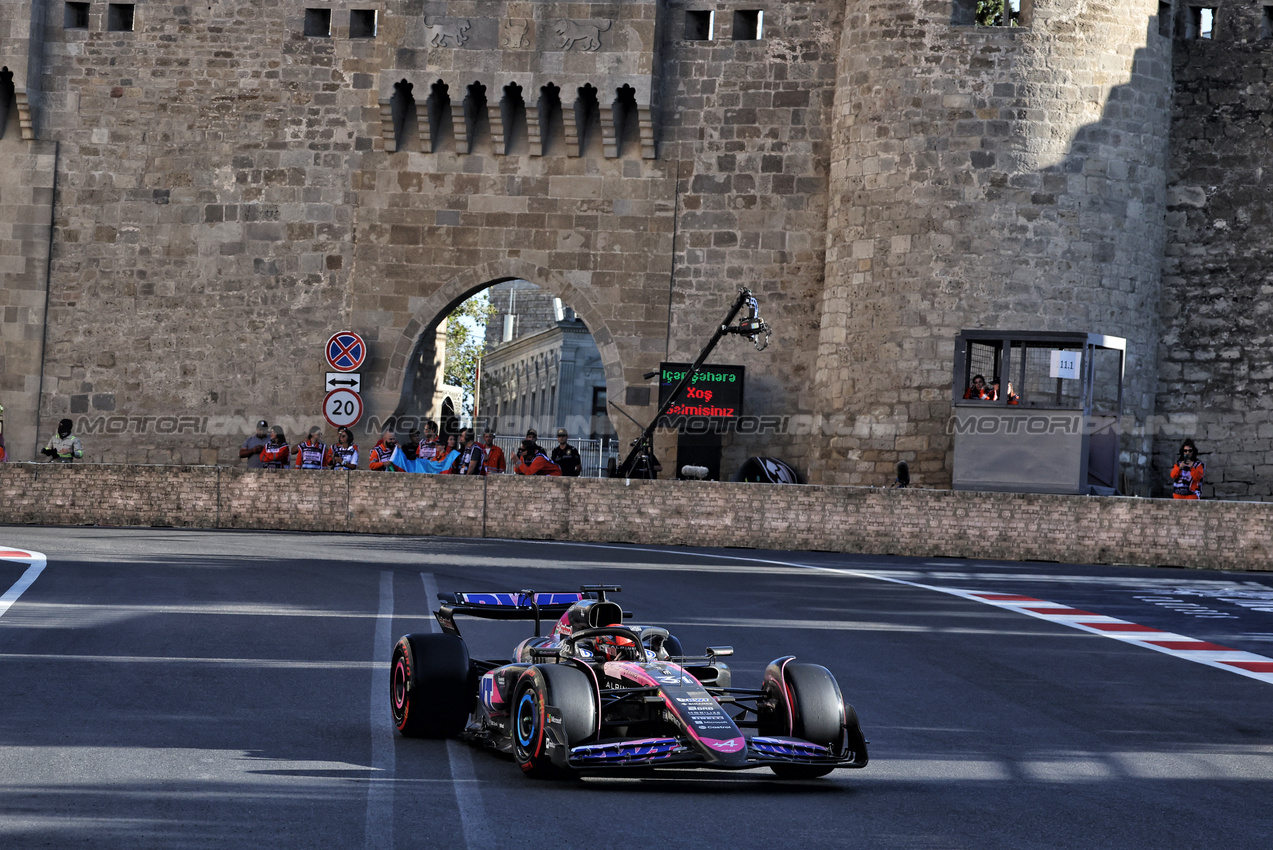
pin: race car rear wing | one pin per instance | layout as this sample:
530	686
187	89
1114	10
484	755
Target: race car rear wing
513	605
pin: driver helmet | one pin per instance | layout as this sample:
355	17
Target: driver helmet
611	647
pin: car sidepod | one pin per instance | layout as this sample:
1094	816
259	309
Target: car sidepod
708	729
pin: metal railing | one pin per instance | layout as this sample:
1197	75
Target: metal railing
594	454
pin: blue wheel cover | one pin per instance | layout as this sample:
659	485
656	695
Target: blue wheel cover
528	698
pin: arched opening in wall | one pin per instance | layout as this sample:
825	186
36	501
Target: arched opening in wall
8	101
406	125
476	119
441	126
627	123
552	130
588	120
448	422
511	357
512	108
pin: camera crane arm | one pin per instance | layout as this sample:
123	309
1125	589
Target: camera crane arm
752	326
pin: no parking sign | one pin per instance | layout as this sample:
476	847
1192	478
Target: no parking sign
346	351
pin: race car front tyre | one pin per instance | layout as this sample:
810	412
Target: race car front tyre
813	710
431	691
568	690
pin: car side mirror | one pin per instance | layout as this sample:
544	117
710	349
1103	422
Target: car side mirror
720	651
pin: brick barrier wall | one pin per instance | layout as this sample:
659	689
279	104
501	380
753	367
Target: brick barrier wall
924	523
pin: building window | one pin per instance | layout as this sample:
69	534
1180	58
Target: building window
318	23
76	16
1164	19
699	25
1266	24
749	25
362	23
1200	23
119	17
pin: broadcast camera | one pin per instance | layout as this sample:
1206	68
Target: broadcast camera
751	326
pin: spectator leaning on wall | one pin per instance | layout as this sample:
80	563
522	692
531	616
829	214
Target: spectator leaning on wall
344	455
313	453
472	459
65	447
382	451
253	445
274	456
1187	474
495	462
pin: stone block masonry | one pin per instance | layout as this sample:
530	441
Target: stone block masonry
194	196
917	523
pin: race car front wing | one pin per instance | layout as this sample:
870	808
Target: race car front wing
666	752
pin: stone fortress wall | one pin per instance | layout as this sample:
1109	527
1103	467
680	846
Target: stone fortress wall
1219	535
225	191
1018	173
1216	355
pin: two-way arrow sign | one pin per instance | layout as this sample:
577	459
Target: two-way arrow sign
344	380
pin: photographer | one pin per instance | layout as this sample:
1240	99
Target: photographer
65	447
531	460
1186	475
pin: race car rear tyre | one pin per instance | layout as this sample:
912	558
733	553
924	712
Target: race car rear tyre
817	715
558	686
431	691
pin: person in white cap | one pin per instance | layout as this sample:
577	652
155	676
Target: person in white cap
251	448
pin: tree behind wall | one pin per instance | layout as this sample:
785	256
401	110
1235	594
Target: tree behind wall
465	342
989	12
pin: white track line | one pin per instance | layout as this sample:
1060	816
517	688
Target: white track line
379	827
468	792
21	556
1190	649
1198	651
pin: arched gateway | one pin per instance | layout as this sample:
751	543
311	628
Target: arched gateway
415	337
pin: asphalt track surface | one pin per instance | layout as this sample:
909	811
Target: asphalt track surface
213	689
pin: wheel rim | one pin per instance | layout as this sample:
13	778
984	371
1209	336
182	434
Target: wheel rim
399	689
527	718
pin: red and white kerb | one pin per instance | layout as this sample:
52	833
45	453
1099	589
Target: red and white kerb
1190	649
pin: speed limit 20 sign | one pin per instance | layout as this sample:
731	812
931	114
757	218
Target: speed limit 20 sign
342	408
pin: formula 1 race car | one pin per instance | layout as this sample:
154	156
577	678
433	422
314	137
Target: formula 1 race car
597	695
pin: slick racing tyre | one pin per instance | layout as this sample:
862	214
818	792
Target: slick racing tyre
813	710
431	691
559	686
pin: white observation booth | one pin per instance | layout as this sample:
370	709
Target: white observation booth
1053	425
